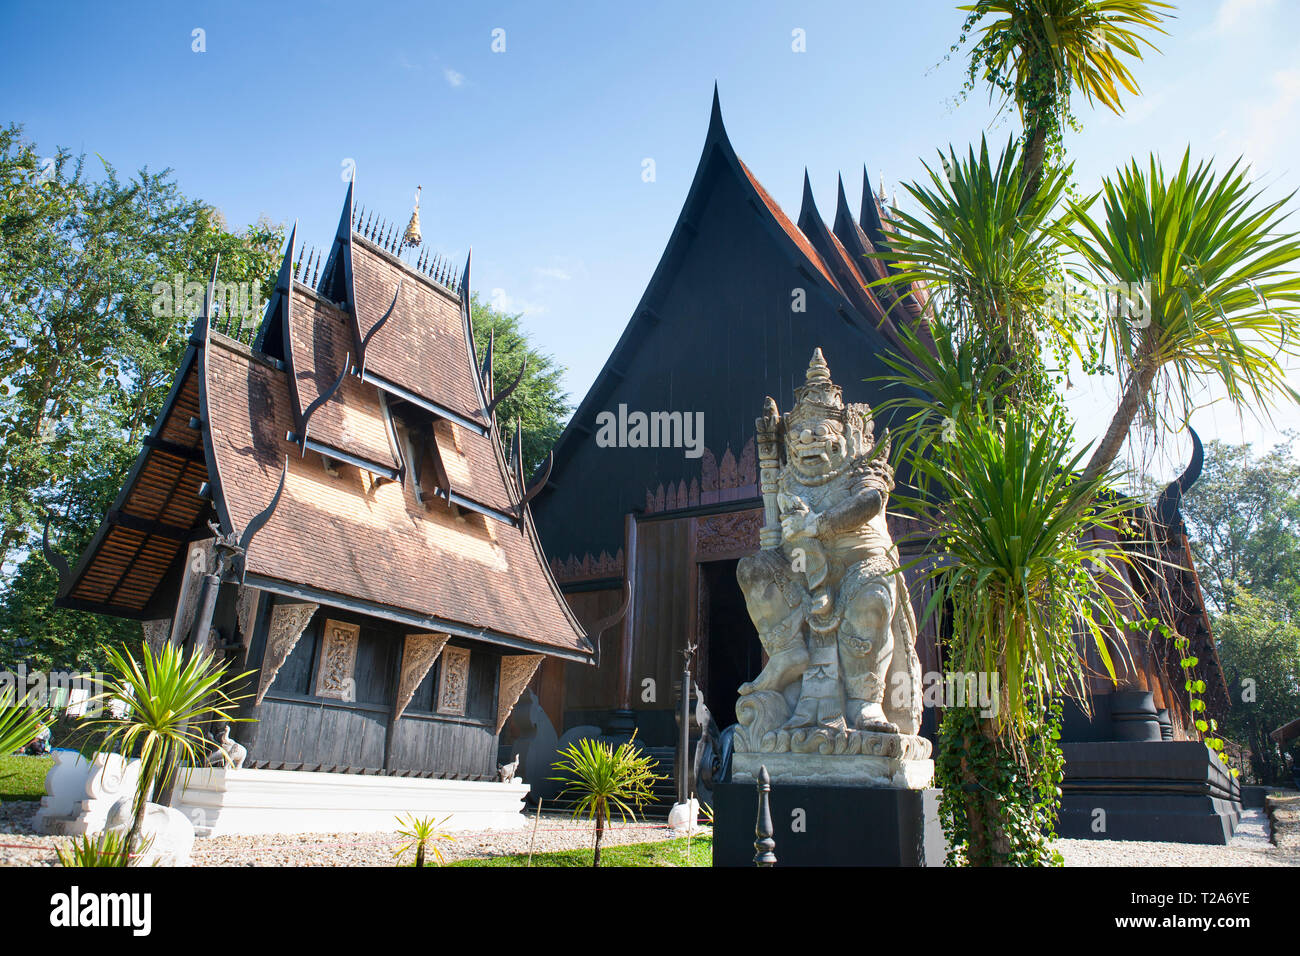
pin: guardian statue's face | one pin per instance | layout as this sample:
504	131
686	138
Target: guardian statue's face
816	447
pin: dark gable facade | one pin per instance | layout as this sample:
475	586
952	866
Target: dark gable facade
740	298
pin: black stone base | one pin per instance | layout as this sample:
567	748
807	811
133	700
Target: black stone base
1170	791
841	826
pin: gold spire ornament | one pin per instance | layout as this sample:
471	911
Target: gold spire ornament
412	235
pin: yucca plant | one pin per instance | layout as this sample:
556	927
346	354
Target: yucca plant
1219	283
168	700
606	780
107	849
1031	562
991	264
422	835
1025	565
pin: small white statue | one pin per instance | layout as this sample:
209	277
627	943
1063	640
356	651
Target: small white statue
506	772
227	753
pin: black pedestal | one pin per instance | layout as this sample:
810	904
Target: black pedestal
838	826
1170	791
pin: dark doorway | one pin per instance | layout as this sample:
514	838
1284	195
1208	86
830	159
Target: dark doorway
729	648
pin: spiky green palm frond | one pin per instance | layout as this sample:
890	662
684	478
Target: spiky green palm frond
1216	273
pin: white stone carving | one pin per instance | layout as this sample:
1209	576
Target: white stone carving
166	835
79	794
227	752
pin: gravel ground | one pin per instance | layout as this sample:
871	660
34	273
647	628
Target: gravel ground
1249	847
21	846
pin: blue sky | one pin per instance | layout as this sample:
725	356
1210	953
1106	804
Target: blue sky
534	155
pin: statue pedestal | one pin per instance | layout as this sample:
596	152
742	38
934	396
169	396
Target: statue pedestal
821	825
844	770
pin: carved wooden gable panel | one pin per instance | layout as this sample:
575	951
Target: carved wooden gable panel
418	654
516	671
453	681
336	676
288	621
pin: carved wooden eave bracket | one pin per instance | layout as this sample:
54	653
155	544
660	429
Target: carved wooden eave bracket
418	654
516	671
288	621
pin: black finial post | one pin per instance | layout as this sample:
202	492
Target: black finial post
764	844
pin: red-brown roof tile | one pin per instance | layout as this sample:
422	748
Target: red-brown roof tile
422	346
348	536
320	341
789	227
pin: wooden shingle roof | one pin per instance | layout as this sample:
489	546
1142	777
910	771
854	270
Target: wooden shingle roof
421	347
346	538
319	345
154	515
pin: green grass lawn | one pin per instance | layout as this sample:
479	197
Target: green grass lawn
23	778
665	853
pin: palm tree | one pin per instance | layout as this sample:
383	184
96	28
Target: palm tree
1038	52
1218	280
1025	568
990	261
168	700
606	779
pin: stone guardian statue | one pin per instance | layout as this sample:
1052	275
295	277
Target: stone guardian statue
839	700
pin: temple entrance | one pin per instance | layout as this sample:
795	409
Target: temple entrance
730	652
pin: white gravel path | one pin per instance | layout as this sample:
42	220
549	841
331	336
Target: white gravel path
20	846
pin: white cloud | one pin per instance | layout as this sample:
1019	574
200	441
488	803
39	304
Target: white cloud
553	273
1234	12
453	78
1268	121
503	302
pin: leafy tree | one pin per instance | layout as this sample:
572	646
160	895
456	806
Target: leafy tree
1259	644
1243	520
538	403
87	356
